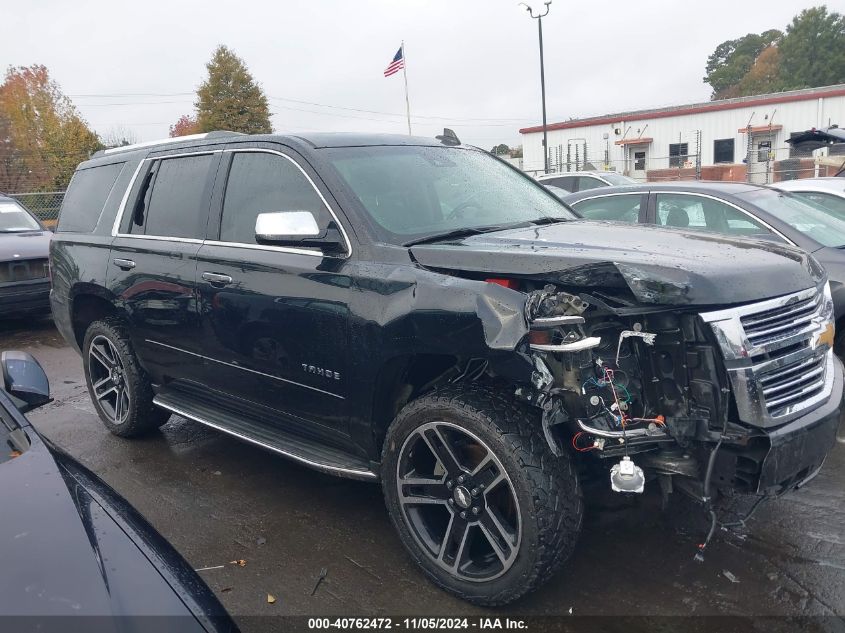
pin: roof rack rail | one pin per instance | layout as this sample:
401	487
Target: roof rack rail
164	141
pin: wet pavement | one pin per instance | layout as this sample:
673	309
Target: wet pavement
218	500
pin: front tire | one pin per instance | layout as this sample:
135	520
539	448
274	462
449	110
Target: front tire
118	385
478	499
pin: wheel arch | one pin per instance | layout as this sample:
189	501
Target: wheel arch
89	303
403	378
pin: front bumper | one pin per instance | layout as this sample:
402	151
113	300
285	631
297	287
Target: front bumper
24	297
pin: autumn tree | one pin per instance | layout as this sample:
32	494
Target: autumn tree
42	136
230	99
733	59
764	75
186	124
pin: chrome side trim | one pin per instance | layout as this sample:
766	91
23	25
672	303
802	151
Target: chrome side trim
253	371
264	247
366	474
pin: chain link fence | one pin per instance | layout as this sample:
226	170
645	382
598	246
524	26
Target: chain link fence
756	162
44	205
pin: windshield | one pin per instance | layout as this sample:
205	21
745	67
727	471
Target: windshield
14	218
618	179
410	192
804	216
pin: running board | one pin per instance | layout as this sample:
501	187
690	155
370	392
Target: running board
310	453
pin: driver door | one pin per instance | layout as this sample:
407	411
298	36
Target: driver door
274	319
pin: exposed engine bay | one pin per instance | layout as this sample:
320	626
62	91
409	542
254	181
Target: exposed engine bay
647	395
622	386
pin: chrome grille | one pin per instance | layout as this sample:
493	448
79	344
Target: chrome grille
770	325
778	355
23	270
788	385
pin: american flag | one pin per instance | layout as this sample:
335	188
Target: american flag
396	65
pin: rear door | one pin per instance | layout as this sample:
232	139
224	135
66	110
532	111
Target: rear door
152	265
275	319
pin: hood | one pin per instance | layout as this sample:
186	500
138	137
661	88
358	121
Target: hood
659	266
72	546
28	245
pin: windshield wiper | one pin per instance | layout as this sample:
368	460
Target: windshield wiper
466	231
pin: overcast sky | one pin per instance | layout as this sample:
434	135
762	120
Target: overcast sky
472	64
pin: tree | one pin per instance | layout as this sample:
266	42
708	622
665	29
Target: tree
813	50
500	150
42	136
230	99
733	59
186	124
764	76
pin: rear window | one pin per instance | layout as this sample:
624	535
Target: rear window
86	196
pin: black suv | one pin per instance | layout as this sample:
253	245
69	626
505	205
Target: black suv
419	312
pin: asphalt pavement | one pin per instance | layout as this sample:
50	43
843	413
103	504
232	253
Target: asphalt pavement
219	500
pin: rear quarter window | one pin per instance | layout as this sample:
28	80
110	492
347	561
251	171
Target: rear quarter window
86	196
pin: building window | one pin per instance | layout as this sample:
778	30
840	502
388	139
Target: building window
723	150
677	154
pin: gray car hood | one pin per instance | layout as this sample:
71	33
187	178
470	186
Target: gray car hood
659	266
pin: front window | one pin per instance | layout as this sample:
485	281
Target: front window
14	218
804	216
678	153
411	192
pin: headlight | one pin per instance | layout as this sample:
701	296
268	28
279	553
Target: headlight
826	319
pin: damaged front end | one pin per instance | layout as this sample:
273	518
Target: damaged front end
737	398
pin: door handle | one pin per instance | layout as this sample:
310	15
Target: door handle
125	264
216	279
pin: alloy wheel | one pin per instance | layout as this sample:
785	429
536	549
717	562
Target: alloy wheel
458	502
108	379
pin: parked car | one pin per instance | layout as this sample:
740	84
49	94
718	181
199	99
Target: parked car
827	193
737	209
72	547
583	180
24	272
398	309
560	193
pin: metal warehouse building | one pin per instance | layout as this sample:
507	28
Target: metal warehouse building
731	139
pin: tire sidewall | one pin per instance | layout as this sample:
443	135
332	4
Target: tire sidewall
139	420
522	570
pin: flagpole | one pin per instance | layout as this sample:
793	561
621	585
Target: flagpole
405	75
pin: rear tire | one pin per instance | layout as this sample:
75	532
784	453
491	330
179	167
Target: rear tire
478	498
118	385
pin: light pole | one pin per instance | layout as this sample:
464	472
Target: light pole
539	17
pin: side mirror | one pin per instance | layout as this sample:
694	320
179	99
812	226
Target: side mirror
297	229
24	380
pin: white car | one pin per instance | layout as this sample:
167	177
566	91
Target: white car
826	192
